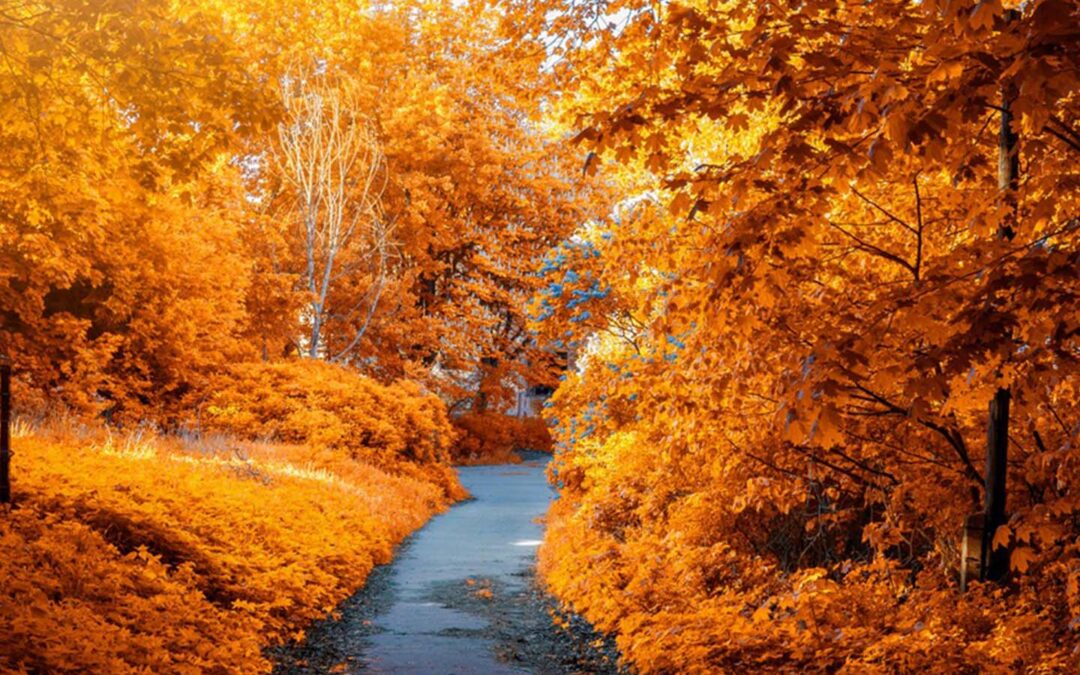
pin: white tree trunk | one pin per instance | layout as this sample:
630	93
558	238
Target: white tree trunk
332	159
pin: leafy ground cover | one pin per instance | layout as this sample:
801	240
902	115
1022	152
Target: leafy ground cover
134	552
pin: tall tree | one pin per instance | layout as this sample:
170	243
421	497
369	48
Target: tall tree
794	327
120	208
332	161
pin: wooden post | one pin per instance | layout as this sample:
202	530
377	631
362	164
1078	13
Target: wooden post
5	431
971	549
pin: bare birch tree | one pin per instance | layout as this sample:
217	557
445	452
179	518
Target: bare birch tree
330	156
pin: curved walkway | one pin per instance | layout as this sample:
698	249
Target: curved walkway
459	597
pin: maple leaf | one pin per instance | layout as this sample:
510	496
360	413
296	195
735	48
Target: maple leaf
1002	536
827	429
945	71
1021	558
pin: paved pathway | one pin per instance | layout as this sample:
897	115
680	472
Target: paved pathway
459	597
493	537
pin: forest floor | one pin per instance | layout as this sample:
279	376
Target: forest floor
461	596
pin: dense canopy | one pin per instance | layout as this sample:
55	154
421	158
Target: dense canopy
812	270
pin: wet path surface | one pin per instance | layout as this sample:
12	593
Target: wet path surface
459	598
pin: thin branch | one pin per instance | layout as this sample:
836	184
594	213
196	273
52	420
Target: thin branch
1065	139
952	437
919	222
870	248
888	214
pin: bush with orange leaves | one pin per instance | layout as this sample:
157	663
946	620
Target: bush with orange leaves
155	554
398	427
492	438
652	549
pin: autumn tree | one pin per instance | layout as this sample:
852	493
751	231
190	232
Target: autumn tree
804	316
332	161
477	185
120	205
390	202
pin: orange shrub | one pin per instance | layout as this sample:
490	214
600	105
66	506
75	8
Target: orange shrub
492	438
664	567
152	554
398	427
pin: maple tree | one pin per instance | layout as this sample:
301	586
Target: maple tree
116	161
204	205
817	263
795	322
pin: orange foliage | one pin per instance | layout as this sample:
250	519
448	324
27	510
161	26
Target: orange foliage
398	427
121	267
826	265
661	553
151	248
149	235
841	230
492	438
135	553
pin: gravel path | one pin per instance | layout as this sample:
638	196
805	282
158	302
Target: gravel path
460	597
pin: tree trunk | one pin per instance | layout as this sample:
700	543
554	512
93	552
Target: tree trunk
316	329
5	431
994	562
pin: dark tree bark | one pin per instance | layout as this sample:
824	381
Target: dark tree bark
994	561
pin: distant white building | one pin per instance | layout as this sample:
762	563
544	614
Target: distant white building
530	401
530	398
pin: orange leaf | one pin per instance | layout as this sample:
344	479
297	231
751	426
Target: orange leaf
1022	558
1001	537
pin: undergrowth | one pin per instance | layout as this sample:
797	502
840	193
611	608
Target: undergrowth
145	553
